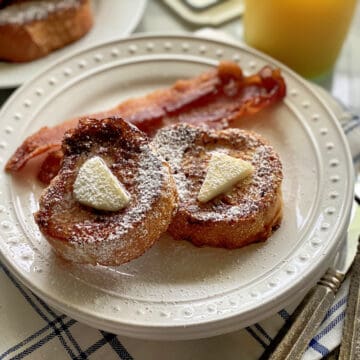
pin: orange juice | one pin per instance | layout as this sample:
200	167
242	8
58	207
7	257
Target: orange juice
307	35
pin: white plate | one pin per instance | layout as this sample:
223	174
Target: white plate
178	291
113	19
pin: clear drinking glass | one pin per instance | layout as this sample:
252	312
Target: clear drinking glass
307	35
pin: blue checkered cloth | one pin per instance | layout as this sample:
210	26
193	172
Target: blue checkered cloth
29	328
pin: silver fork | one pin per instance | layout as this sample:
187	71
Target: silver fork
357	188
293	339
350	344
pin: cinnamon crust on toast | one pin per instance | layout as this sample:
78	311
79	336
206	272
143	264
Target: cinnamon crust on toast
248	213
30	29
84	235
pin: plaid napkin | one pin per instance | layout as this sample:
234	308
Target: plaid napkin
30	328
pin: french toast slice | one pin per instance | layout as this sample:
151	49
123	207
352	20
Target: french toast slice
247	213
30	29
83	234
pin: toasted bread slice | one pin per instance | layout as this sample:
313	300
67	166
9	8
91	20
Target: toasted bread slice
84	235
34	28
248	213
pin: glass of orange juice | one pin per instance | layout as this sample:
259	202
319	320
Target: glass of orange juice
307	35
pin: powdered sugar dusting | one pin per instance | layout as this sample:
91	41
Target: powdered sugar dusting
151	174
34	10
171	144
263	181
189	150
86	235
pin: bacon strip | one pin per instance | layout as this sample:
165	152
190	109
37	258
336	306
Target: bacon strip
215	98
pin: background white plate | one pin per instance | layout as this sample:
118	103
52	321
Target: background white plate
113	19
178	291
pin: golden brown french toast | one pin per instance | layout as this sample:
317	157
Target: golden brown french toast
248	212
30	29
83	234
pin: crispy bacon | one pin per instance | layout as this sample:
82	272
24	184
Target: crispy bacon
215	98
50	166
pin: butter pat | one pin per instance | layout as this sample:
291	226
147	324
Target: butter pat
96	186
223	173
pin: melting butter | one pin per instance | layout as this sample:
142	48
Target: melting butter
97	187
223	173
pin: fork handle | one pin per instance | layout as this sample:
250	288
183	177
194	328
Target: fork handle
293	339
350	345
